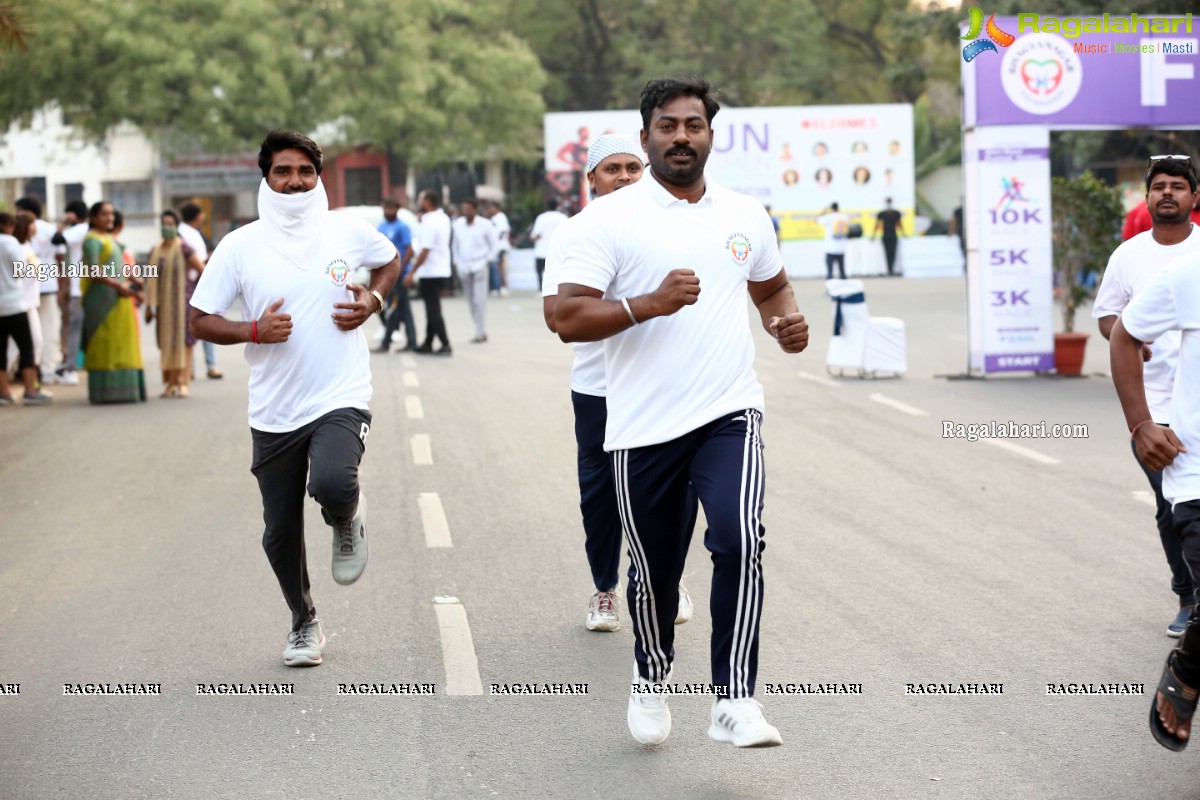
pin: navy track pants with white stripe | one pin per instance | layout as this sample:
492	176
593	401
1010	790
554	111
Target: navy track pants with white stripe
724	462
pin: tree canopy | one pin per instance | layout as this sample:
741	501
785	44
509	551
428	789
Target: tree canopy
428	79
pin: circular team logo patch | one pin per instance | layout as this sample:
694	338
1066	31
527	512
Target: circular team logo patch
338	272
1041	74
738	246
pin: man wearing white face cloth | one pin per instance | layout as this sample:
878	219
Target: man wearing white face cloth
310	377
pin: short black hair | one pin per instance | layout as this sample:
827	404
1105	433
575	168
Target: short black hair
78	208
1175	167
189	211
432	196
171	214
7	220
31	204
551	203
833	206
278	140
661	91
118	218
472	201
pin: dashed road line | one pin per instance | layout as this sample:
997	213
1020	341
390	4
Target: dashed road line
903	408
433	520
808	376
1146	497
412	405
422	449
408	362
458	648
1004	444
411	380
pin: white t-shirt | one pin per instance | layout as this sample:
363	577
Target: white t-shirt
670	375
30	284
75	236
1130	268
319	368
12	288
1171	301
194	239
503	229
434	233
587	371
473	244
836	225
43	251
544	227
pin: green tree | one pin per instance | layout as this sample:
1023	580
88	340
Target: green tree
419	75
1086	220
13	30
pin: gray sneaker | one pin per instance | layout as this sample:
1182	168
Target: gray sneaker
305	645
39	398
350	545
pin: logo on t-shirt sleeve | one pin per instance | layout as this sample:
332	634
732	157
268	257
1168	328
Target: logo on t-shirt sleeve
338	271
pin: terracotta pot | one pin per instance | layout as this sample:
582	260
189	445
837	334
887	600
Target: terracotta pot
1068	353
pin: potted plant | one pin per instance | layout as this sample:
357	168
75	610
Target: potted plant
1086	218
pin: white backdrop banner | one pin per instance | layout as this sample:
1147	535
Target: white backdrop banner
797	160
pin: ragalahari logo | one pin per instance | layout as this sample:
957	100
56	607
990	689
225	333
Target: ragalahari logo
995	36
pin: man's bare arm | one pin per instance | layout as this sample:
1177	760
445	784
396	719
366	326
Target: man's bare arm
1156	446
583	315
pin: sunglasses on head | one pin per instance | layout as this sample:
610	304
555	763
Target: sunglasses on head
1171	158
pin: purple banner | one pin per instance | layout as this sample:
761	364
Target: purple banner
1015	154
1086	71
1018	362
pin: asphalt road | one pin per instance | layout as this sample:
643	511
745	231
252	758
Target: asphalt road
895	556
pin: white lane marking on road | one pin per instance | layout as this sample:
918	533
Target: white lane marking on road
1004	444
422	450
903	408
1146	497
433	520
411	380
408	362
412	405
458	649
808	376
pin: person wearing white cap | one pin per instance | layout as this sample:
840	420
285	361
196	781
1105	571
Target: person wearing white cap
614	161
660	273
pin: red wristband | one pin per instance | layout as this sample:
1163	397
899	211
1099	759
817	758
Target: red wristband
254	331
1133	431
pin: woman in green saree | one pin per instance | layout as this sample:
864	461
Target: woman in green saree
113	353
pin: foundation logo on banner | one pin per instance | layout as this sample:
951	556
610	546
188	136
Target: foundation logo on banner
738	246
1041	74
338	271
994	37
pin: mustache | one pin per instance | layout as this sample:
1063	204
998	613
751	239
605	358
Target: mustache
680	151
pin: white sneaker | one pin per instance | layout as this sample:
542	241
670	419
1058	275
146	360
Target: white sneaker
69	379
602	612
648	716
684	612
741	723
504	291
305	645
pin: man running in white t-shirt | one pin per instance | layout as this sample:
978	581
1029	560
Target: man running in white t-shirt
677	254
1170	195
310	376
614	161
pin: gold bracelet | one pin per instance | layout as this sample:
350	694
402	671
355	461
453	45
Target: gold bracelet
378	297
